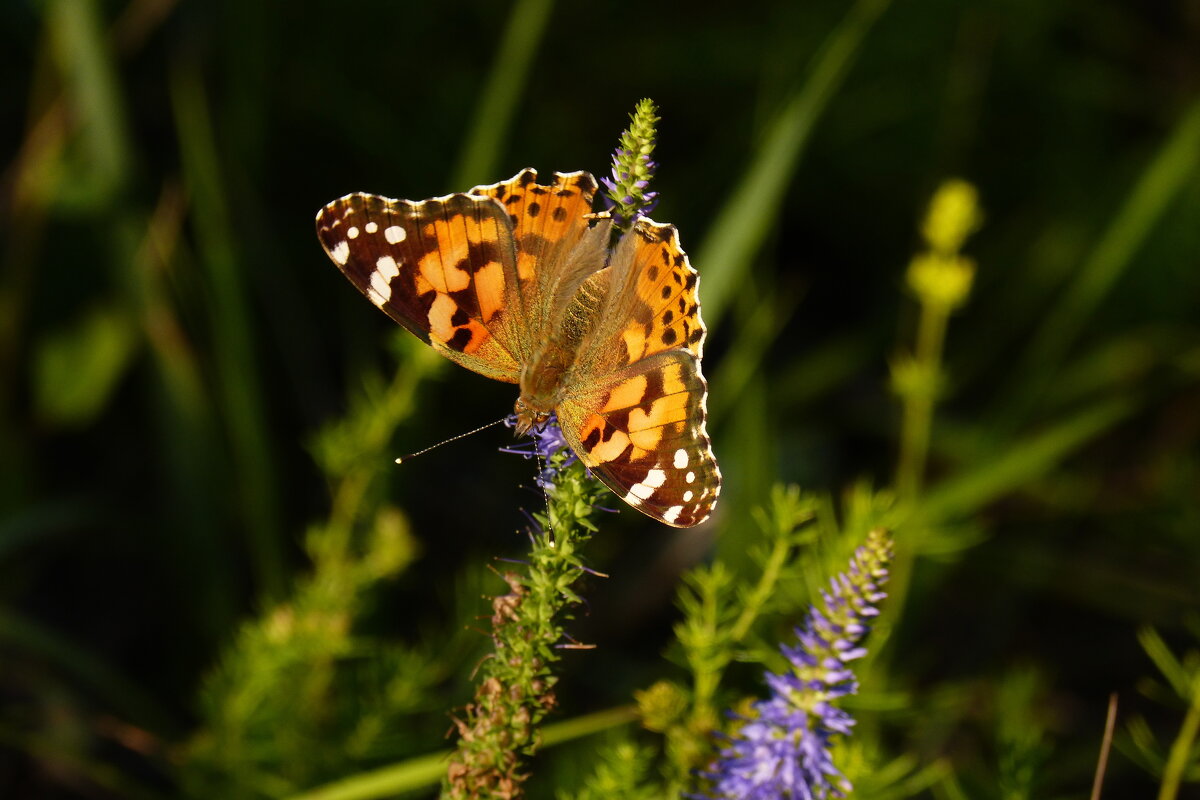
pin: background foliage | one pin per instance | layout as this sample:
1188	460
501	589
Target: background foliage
213	582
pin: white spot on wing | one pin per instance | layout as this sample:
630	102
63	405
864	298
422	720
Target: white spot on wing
375	297
386	266
394	234
672	513
655	478
681	458
352	232
641	490
632	499
380	286
340	252
690	477
687	496
372	226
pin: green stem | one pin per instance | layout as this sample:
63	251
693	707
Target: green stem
917	423
915	433
762	590
427	770
515	689
708	675
1177	760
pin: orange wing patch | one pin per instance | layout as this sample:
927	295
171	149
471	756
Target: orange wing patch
547	223
437	267
661	298
647	442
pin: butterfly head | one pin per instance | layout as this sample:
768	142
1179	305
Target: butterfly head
529	416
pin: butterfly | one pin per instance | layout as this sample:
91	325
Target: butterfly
516	281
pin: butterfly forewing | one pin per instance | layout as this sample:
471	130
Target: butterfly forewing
443	268
548	225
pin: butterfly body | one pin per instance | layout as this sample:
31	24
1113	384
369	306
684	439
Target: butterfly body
515	281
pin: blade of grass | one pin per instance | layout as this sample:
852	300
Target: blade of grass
1176	769
427	770
498	103
747	353
972	488
81	49
1173	167
238	374
742	225
1026	460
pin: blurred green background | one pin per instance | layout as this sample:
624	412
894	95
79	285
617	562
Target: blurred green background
198	413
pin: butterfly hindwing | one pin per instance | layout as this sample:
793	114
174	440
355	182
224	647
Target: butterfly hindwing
641	431
443	268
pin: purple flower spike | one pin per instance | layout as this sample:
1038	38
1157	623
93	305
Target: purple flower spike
544	441
783	749
625	192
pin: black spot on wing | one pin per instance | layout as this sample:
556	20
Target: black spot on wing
480	254
460	339
466	302
592	439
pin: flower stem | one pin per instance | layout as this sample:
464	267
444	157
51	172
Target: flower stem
917	421
762	590
516	681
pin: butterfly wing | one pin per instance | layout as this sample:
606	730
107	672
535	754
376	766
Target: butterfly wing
633	408
557	247
444	268
642	433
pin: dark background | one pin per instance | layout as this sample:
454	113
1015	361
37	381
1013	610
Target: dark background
172	340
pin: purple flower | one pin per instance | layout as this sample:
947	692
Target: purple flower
783	749
545	441
632	168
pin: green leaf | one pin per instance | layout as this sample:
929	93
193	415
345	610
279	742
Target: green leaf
77	369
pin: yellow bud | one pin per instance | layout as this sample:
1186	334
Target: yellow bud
913	378
662	705
953	215
941	280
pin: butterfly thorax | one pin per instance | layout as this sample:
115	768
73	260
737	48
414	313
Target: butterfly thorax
544	376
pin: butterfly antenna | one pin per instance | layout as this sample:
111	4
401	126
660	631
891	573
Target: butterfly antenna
411	456
545	493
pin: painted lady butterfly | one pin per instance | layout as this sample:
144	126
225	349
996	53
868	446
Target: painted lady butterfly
516	282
